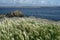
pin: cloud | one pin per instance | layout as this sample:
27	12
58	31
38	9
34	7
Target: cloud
24	1
43	2
30	2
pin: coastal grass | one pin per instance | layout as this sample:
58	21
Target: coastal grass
29	29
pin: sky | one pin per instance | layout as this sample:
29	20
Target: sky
29	2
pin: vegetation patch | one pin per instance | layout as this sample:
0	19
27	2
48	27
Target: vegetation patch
29	29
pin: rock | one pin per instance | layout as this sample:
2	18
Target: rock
16	13
2	16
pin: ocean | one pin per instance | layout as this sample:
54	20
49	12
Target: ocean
50	13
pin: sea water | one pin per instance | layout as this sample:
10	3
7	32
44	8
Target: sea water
51	13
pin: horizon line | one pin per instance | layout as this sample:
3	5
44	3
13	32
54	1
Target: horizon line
29	6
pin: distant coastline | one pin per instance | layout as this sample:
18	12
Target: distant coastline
27	6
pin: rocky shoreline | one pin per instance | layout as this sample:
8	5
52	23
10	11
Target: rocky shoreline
16	13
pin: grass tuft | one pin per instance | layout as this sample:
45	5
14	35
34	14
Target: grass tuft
29	29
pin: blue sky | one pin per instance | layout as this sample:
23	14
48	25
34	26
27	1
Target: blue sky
29	2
